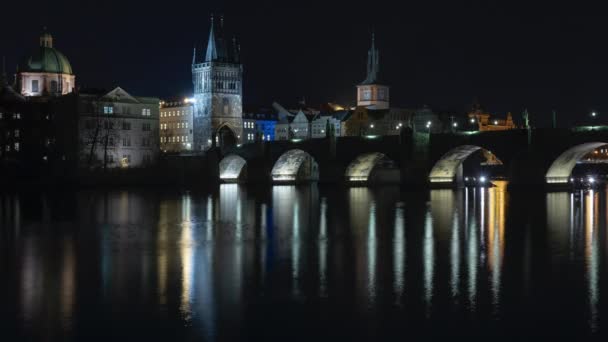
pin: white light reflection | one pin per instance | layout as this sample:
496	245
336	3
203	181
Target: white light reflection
591	256
472	255
399	253
186	244
295	248
323	248
428	255
371	252
455	255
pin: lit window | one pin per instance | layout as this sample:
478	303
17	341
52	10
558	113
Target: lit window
35	87
16	146
108	110
16	133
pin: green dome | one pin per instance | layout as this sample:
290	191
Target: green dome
46	59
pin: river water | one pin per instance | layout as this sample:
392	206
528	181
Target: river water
306	262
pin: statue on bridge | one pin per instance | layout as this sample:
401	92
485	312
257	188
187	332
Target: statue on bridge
526	117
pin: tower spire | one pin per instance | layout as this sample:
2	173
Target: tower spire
194	55
373	62
211	45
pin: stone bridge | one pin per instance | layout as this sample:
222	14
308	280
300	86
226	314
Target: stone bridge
524	157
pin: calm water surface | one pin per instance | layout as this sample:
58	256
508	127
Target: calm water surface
302	263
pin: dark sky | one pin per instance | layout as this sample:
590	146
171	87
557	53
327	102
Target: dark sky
443	54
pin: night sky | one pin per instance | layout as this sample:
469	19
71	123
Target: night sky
508	56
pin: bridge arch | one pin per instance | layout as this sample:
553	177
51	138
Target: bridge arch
233	169
560	170
448	169
295	166
372	167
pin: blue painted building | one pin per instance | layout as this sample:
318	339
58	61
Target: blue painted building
261	123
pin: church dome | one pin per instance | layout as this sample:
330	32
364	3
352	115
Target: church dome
46	59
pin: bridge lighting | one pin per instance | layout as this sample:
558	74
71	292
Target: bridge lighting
371	126
190	100
496	122
591	180
571	180
455	124
482	179
472	120
594	114
466	179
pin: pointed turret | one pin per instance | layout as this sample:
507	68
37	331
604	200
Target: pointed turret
194	56
222	49
373	63
211	45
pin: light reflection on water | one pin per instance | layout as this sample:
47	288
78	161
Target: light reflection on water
207	263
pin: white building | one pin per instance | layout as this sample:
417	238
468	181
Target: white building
176	125
108	129
320	124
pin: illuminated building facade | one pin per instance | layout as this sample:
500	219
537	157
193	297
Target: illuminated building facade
217	80
45	72
486	122
176	122
100	129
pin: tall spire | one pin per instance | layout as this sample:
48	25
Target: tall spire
373	62
194	55
211	46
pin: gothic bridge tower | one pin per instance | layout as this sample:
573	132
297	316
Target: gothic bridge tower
217	78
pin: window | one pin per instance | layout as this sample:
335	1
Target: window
16	146
145	112
145	127
16	135
35	87
16	116
110	158
126	125
126	141
108	125
54	87
108	110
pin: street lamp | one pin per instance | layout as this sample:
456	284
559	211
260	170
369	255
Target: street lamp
593	114
371	126
455	124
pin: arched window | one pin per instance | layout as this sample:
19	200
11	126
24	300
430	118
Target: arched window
53	86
